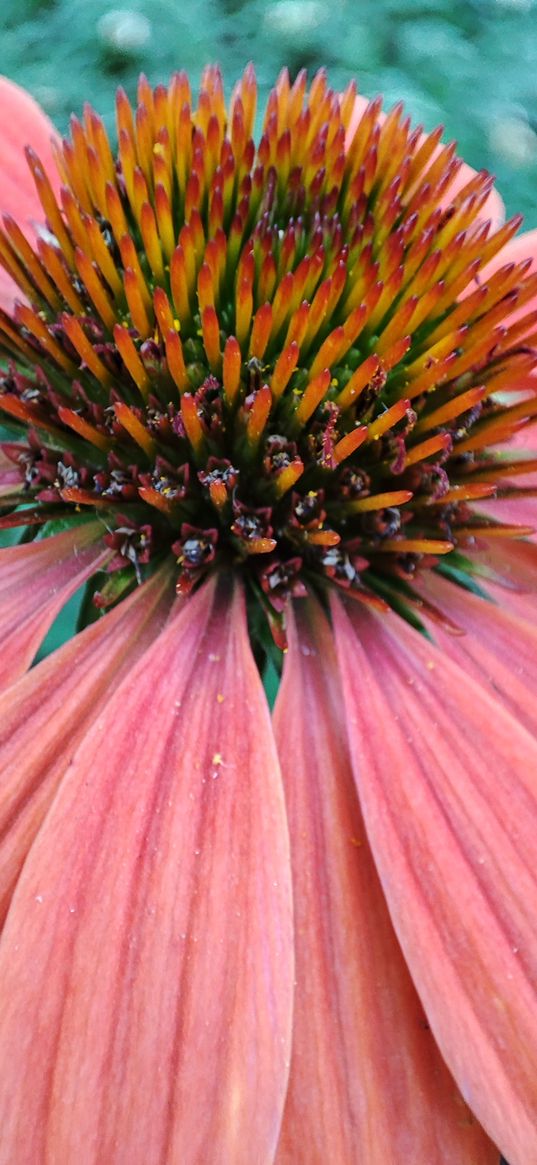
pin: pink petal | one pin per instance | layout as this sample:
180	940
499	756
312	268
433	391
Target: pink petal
510	562
447	782
367	1082
493	208
498	648
146	962
36	580
22	123
45	714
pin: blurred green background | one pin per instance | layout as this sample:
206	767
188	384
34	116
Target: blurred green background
469	64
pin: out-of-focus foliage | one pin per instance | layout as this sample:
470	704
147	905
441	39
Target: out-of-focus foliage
470	64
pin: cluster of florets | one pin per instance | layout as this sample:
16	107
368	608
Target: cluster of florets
278	357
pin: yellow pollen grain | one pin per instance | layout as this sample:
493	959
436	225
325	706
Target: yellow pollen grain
217	758
220	698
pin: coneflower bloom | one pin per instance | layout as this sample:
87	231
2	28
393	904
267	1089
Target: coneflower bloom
266	398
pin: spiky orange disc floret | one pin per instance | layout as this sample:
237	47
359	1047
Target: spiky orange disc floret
276	356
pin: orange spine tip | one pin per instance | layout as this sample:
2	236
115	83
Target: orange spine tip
287	477
298	325
439	444
414	546
261	330
281	302
131	359
163	311
358	382
101	145
387	420
50	207
395	354
144	141
331	351
350	443
128	162
176	361
205	288
192	423
124	115
31	263
85	349
210	328
218	495
150	236
379	501
55	266
28	317
95	289
259	546
134	427
83	497
268	276
84	429
140	194
323	537
154	498
317	314
471	492
313	394
258	415
102	256
135	301
283	369
243	310
454	408
115	214
179	285
163	212
500	530
14	268
231	370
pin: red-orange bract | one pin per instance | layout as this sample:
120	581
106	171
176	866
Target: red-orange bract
265	396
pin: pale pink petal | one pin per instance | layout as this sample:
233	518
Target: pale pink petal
44	715
367	1082
36	580
509	562
497	648
22	123
493	209
146	964
448	781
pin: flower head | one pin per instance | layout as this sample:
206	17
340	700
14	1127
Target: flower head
250	380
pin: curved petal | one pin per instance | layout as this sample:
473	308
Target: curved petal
146	964
45	714
448	785
367	1082
36	580
22	123
498	648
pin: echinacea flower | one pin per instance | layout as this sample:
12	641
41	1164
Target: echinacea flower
265	401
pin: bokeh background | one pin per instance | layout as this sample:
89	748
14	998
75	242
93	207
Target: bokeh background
468	64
